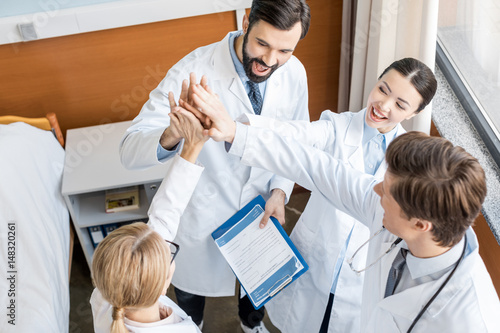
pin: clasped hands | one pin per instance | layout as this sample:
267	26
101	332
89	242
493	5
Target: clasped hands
199	100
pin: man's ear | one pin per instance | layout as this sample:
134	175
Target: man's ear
245	23
423	225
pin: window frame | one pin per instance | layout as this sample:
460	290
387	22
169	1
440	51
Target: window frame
474	111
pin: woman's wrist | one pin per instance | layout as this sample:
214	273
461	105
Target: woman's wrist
190	151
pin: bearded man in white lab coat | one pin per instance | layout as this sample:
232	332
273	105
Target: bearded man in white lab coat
259	56
423	272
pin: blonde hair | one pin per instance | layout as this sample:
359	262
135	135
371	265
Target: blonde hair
130	269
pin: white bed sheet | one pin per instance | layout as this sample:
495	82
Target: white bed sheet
31	165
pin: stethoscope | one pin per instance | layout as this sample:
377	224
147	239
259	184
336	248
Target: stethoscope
393	245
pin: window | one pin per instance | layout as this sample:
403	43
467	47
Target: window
469	56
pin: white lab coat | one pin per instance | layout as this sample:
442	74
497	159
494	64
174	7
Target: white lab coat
173	195
165	211
226	185
468	303
317	239
102	312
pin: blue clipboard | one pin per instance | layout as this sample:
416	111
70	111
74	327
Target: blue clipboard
287	272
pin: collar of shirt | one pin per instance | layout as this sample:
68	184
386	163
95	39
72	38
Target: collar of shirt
370	133
239	66
173	318
420	267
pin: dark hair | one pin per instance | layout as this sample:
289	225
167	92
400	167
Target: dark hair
438	182
281	14
420	76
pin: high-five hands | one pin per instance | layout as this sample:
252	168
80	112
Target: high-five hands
206	106
171	135
189	128
187	87
187	97
208	103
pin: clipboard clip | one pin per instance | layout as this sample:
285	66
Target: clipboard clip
287	279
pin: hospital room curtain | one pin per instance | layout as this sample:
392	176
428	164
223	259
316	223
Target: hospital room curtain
374	34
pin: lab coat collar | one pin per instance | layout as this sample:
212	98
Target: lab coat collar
408	303
269	106
354	135
220	60
224	70
418	267
383	165
352	141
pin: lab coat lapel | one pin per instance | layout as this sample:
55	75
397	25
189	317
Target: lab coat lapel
236	88
353	141
221	58
400	304
405	304
400	130
379	174
272	94
409	302
227	74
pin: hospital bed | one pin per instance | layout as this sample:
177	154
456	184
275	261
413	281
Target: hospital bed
36	240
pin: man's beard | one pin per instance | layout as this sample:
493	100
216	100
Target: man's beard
248	64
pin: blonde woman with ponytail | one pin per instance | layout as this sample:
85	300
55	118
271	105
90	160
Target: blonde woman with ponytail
133	266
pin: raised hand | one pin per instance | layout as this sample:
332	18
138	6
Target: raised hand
187	97
222	127
187	87
190	128
172	132
171	135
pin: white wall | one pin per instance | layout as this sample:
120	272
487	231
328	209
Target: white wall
54	18
23	7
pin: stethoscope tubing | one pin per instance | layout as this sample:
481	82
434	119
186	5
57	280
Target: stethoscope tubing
393	245
417	318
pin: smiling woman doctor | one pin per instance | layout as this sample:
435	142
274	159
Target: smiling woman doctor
430	197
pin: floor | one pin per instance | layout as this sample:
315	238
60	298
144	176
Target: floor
221	314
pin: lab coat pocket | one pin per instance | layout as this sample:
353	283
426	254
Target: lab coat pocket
382	320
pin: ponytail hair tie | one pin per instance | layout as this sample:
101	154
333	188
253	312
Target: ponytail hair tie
118	313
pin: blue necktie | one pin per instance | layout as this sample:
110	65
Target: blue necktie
255	97
395	272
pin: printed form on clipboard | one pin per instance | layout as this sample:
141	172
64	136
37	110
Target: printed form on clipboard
264	260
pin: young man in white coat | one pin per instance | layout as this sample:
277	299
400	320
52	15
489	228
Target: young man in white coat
253	71
420	217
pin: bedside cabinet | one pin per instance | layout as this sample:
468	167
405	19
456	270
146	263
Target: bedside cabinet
92	166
